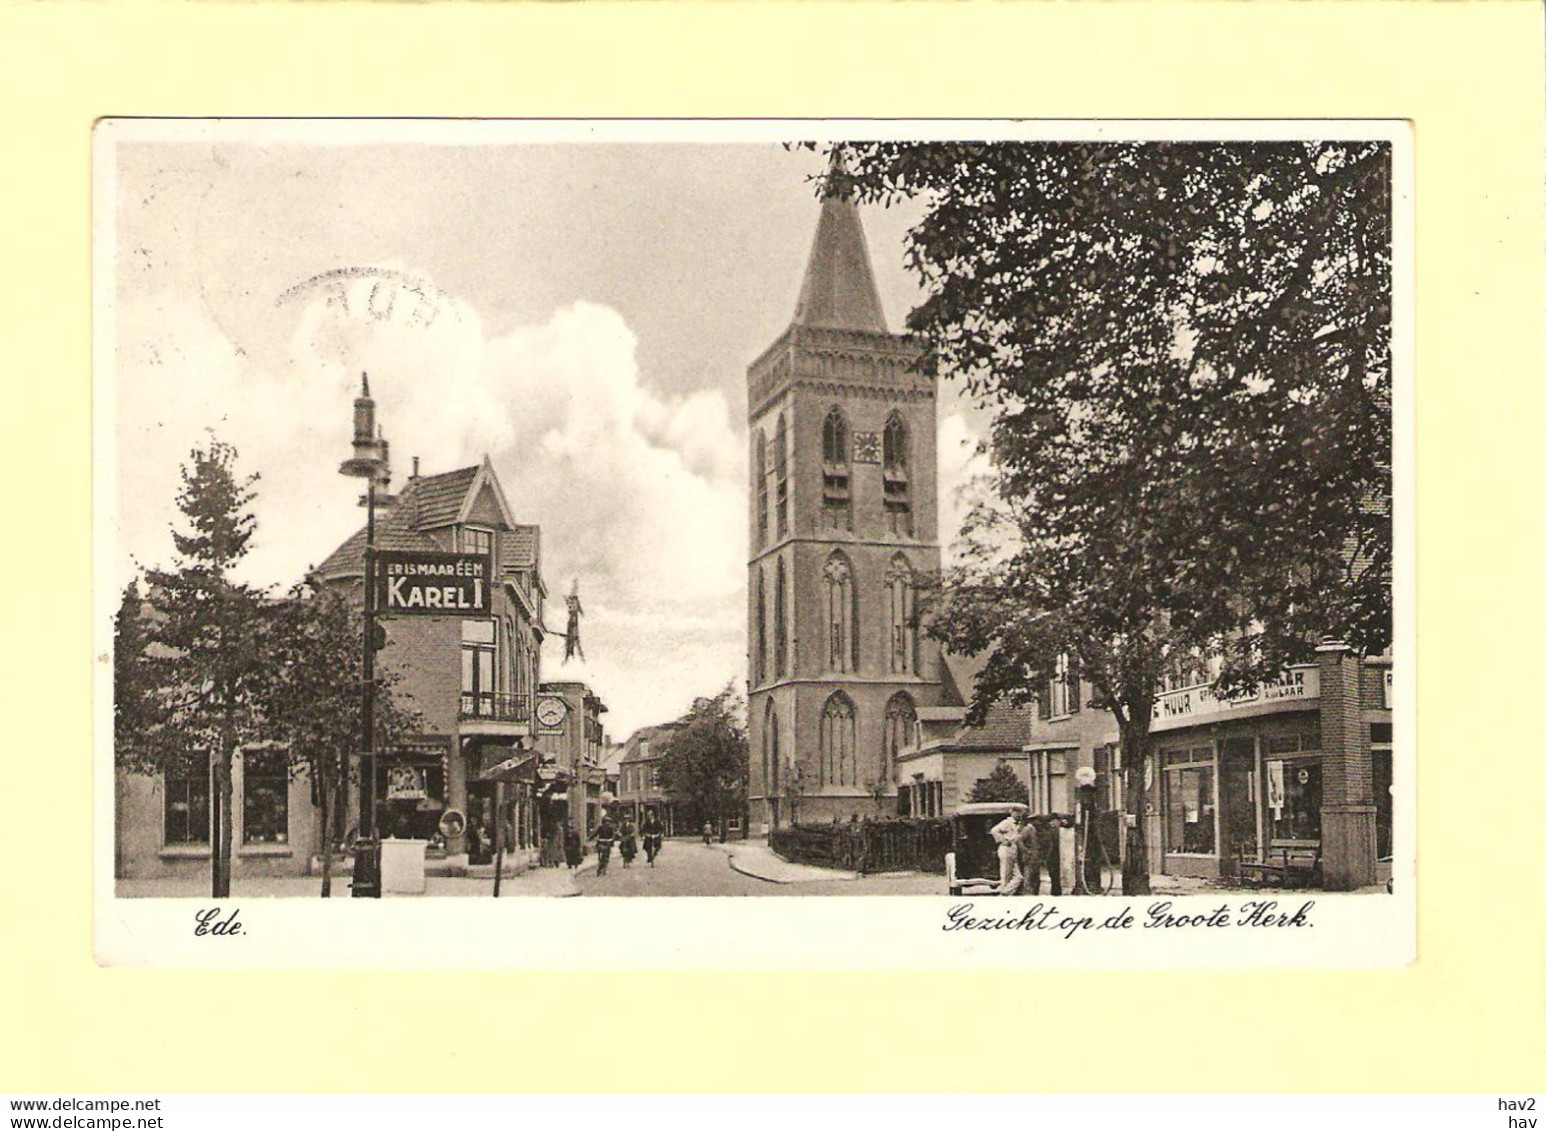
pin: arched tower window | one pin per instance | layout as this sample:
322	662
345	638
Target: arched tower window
839	756
781	474
902	598
762	489
780	629
836	505
901	733
762	626
898	490
842	615
770	766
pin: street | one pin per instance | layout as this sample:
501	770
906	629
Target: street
688	867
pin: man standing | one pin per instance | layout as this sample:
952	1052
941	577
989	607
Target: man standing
1006	834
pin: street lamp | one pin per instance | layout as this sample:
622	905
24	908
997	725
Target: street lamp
369	463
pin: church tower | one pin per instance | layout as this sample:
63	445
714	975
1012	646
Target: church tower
843	528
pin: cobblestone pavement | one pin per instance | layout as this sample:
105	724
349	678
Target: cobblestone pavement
688	868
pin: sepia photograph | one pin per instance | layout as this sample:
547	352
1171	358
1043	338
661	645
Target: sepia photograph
504	510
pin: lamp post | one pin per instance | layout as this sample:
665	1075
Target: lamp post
369	463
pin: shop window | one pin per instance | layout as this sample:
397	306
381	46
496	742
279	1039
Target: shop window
186	812
265	797
1189	810
1384	828
1294	799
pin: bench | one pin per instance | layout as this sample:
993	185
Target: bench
1287	863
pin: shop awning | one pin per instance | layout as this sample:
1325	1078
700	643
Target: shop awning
516	766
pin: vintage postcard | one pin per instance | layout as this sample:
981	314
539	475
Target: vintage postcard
593	541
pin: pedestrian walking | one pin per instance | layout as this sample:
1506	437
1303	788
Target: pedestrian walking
606	836
574	848
708	832
652	836
628	843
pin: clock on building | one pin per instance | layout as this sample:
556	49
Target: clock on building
551	711
866	447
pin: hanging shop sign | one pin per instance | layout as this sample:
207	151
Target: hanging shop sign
421	583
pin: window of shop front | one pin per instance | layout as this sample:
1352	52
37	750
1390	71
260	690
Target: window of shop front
265	797
1190	802
1294	799
478	667
1384	778
185	818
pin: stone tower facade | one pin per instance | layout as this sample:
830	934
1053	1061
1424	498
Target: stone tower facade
844	526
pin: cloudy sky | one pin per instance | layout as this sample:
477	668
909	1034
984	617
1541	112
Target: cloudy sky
582	312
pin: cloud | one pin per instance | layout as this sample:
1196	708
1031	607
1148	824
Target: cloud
639	495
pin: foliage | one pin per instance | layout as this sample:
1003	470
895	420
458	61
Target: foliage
1001	785
1186	352
312	703
706	763
193	664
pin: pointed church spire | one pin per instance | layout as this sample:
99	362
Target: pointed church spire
839	290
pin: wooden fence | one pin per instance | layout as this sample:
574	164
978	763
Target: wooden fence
867	846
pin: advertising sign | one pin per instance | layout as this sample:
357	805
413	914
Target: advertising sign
418	583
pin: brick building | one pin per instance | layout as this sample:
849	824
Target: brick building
572	746
639	787
843	525
473	681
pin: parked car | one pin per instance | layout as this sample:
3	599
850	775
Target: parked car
971	865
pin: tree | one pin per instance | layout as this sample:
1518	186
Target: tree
193	663
706	764
312	703
1001	785
1185	349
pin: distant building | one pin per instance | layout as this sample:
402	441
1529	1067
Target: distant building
639	788
571	744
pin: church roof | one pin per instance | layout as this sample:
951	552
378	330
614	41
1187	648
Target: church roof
839	291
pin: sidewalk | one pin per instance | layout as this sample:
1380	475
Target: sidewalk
754	858
549	882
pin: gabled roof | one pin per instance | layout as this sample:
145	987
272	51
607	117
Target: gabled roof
439	499
430	502
839	290
1006	727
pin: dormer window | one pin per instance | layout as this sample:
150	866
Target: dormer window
475	540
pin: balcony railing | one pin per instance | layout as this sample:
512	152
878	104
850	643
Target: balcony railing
495	706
